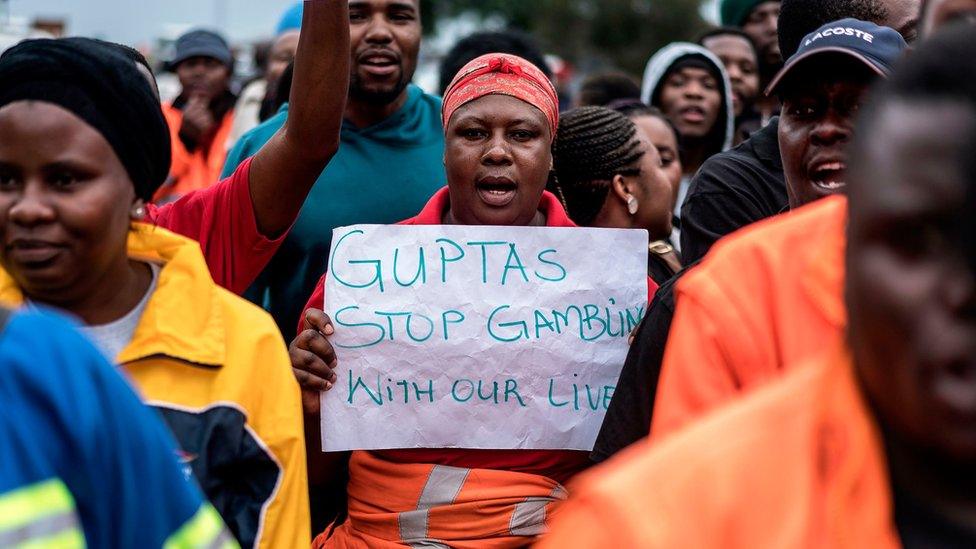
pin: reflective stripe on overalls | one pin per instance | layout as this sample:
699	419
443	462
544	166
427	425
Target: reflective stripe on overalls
442	488
42	515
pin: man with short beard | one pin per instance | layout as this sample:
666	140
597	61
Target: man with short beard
390	158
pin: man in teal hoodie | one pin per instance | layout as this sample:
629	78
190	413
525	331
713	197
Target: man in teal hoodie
389	163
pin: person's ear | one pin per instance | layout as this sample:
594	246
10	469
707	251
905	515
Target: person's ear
623	188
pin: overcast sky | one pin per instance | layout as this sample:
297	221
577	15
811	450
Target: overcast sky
141	21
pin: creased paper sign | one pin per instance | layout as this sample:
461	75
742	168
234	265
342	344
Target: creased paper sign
455	336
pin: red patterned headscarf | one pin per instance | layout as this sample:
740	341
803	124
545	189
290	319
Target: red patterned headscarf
502	74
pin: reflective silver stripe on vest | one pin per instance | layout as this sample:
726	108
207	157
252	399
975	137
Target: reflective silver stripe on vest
442	488
46	527
529	517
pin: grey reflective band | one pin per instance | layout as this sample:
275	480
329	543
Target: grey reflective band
40	530
223	540
442	487
529	517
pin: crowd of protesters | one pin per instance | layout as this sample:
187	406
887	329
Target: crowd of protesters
804	374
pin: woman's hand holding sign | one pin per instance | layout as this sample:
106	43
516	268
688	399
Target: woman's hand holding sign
313	359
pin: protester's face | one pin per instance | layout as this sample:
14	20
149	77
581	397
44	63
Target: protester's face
739	58
911	292
385	38
205	77
498	157
662	136
903	17
691	98
942	12
820	99
653	192
282	54
761	25
65	202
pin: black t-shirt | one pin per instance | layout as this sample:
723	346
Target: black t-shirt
628	417
921	527
733	189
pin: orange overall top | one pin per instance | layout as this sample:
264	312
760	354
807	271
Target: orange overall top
199	169
797	463
764	299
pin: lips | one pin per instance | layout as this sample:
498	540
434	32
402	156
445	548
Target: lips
379	63
828	175
692	114
496	192
33	253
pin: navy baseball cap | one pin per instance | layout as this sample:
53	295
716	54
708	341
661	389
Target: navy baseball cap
876	46
202	43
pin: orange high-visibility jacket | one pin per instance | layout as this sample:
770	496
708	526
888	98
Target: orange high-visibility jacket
797	463
764	299
199	169
400	505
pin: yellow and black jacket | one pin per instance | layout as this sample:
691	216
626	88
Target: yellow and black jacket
218	372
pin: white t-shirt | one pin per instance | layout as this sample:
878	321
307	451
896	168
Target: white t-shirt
113	337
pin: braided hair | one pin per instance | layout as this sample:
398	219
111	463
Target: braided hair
593	145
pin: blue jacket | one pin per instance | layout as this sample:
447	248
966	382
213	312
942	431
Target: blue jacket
82	460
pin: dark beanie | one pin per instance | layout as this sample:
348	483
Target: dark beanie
102	87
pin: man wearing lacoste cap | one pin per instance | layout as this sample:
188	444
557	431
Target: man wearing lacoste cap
821	87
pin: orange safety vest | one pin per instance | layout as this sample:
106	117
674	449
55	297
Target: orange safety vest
797	463
199	169
764	299
397	505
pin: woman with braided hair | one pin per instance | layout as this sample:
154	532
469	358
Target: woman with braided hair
608	174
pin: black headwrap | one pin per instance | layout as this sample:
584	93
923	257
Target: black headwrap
102	87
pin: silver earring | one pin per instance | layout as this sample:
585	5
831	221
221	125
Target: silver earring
139	213
632	205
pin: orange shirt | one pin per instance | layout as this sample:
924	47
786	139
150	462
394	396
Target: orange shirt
199	169
764	299
798	463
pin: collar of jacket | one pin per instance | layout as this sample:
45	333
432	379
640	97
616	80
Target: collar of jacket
182	319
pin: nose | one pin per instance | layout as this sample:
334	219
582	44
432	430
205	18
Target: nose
735	74
31	208
834	128
694	89
497	152
379	31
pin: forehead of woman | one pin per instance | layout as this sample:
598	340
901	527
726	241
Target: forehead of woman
500	110
36	134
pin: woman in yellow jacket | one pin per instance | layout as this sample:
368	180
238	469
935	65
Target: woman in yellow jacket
83	147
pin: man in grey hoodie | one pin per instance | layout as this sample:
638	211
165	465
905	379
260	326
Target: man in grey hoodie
691	87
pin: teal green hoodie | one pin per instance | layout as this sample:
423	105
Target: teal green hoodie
381	174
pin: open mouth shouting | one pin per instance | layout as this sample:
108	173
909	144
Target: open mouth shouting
496	191
828	175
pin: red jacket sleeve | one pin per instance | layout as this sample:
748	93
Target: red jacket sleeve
221	218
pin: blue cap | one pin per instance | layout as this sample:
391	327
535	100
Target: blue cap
202	43
876	46
291	20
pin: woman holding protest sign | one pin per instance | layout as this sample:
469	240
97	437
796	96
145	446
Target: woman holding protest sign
500	116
